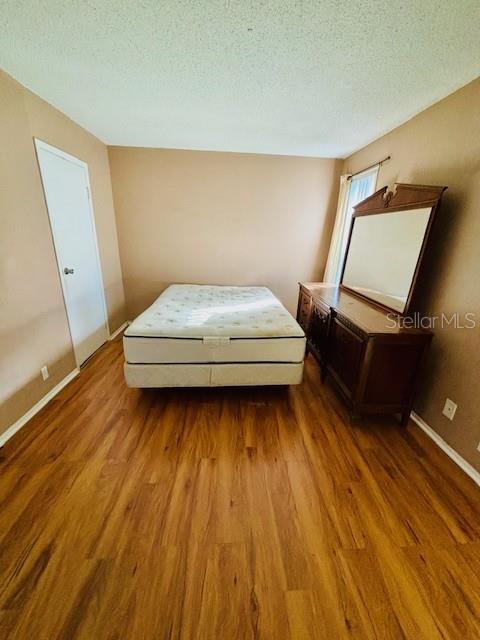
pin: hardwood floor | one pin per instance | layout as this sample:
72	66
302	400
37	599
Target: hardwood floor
230	514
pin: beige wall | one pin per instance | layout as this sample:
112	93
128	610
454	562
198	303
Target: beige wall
220	218
33	323
441	146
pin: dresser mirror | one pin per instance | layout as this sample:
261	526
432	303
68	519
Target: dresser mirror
387	240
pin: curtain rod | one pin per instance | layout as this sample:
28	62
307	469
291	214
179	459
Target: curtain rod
376	164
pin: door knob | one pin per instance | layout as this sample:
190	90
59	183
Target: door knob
66	271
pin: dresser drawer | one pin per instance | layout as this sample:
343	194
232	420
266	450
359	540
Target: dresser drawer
318	328
345	349
303	310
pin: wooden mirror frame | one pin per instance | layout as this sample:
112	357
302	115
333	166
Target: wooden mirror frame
404	197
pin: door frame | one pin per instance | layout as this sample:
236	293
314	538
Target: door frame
40	144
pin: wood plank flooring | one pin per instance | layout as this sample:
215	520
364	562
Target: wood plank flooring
230	514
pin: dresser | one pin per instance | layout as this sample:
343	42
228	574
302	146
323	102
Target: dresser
373	360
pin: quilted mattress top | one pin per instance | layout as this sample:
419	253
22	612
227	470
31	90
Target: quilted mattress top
200	311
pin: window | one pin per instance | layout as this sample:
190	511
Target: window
353	190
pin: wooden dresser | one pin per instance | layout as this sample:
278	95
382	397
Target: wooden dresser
373	361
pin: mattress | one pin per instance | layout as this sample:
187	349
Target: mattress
191	324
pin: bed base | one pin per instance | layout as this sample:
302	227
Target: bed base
213	375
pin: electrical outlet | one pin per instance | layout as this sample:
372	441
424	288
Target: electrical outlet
44	372
449	409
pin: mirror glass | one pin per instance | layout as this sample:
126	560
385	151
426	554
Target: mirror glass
383	254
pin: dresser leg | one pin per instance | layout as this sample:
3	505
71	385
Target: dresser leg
323	373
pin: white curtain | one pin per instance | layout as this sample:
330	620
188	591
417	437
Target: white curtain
333	259
352	191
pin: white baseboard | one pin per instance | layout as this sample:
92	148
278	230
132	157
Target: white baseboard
119	330
451	453
16	426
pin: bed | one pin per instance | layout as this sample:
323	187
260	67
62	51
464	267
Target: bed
199	335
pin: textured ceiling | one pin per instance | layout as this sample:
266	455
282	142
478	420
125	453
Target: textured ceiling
318	78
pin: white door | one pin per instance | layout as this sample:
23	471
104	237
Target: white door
67	194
